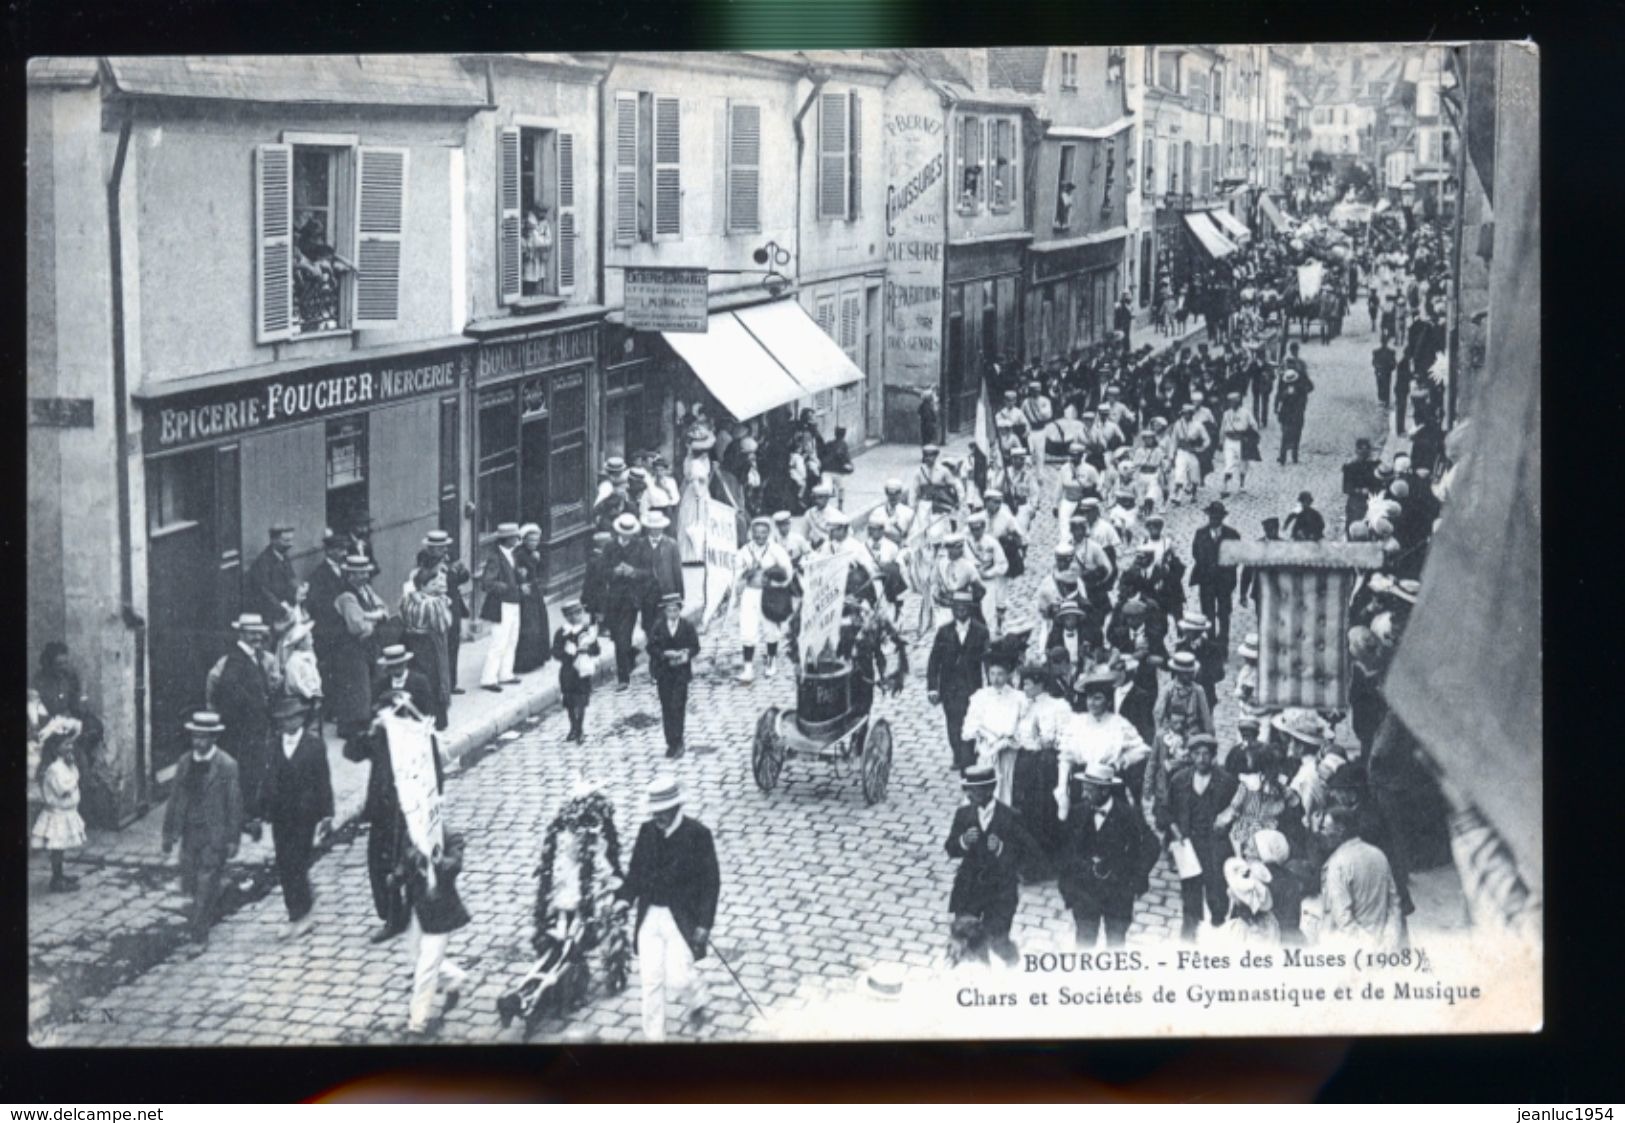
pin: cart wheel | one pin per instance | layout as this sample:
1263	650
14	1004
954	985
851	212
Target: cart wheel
876	761
766	759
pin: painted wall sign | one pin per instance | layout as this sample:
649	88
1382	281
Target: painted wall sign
218	412
915	240
666	299
527	353
62	413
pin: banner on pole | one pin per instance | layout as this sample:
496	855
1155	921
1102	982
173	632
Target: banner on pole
721	554
1309	277
411	758
823	595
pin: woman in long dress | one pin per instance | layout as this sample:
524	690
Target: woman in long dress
355	648
426	612
1096	735
1044	715
535	629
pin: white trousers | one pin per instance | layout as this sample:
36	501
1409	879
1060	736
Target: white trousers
1148	485
430	969
752	624
1063	520
504	642
1233	462
1187	471
665	967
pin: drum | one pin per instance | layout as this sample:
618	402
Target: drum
823	698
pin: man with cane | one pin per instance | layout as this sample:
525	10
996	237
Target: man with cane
673	882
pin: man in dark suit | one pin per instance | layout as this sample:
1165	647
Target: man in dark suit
499	606
242	698
397	678
326	582
360	544
626	561
205	815
299	805
1306	524
673	645
954	671
457	576
992	847
1196	796
1100	859
272	586
674	883
1216	583
1359	480
665	564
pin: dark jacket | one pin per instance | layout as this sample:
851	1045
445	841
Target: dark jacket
1307	525
439	910
665	569
595	583
988	882
271	584
659	641
242	699
417	688
954	670
299	788
1205	567
325	586
569	680
499	581
1102	865
221	801
636	555
679	873
1194	813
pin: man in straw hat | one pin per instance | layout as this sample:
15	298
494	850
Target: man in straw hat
673	646
626	560
1196	797
397	680
664	559
673	882
992	847
499	581
954	670
205	815
457	576
1100	860
299	806
242	698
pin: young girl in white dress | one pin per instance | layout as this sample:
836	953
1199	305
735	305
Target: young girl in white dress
59	827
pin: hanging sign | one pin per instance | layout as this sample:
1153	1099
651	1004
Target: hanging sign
662	299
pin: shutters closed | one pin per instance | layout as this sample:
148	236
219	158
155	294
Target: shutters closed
833	153
854	208
668	172
380	224
567	212
626	169
509	229
273	221
744	168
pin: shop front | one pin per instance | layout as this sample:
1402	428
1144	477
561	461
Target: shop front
1072	290
316	445
537	391
983	322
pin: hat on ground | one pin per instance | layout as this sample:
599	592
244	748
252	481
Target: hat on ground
395	655
436	538
1097	775
654	520
250	623
360	563
1272	846
1249	646
663	793
884	983
287	706
1183	663
626	523
1301	725
1193	621
781	516
507	530
978	776
1216	508
894	485
1407	590
205	721
670	599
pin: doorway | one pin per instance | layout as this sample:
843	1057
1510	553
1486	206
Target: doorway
956	418
533	446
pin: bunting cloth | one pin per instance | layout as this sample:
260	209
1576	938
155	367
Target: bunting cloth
1467	676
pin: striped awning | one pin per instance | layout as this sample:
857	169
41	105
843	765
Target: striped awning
1303	657
1211	237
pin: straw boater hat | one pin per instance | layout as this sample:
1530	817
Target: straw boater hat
1101	680
359	563
894	486
206	721
1193	621
978	776
250	623
626	523
395	655
1249	646
976	518
963	596
884	983
663	794
1301	725
572	608
615	467
1097	775
507	530
781	516
436	538
1183	663
654	520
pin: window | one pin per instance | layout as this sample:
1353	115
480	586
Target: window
648	168
346	471
1148	174
1110	178
1168	70
1002	145
1064	187
179	491
1199	90
744	168
1069	70
537	213
497	487
840	156
1190	180
969	164
1218	90
1173	167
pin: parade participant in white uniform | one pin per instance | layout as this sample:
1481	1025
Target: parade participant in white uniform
758	556
1125	518
1018	483
992	721
1039	413
1010	417
1189	440
1100	531
1099	438
991	566
899	515
674	883
818	515
1078	479
1115	411
795	546
952	572
1237	423
1060	586
1000	522
1097	736
927	481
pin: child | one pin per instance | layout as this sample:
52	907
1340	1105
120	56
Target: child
59	827
1252	919
575	646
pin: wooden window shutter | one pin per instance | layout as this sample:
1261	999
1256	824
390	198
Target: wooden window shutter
832	156
850	315
566	240
508	217
668	168
854	206
626	169
380	228
744	172
273	237
826	315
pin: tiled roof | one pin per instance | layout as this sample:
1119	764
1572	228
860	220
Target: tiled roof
1017	68
61	71
937	65
403	80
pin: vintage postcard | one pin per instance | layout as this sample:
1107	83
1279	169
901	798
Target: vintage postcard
784	545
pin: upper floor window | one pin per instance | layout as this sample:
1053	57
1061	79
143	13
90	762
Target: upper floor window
1065	188
1069	70
1168	70
648	168
329	223
1150	73
536	231
744	168
968	162
1002	150
1110	178
840	155
1218	91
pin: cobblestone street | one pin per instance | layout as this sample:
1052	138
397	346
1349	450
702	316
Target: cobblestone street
816	886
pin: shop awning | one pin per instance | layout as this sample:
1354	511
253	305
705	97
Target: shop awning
1276	216
743	375
1231	226
1213	241
800	345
